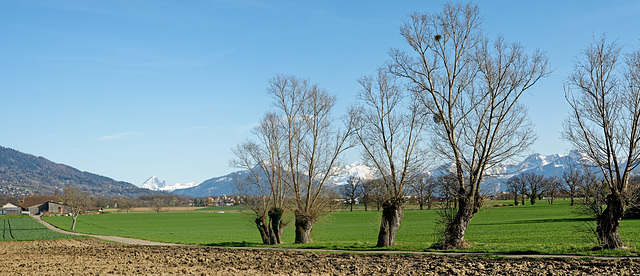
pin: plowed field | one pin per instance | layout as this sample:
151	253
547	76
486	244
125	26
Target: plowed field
94	257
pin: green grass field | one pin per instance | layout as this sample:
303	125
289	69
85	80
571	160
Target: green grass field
20	228
543	228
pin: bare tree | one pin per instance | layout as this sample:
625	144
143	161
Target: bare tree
352	190
604	124
572	178
423	187
519	185
158	204
551	186
312	145
448	187
535	185
388	127
125	204
264	185
369	192
77	200
472	88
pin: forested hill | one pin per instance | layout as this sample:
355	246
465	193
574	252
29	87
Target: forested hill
20	171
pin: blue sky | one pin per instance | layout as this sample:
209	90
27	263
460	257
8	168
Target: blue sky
131	89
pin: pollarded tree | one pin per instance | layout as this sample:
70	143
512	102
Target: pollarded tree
472	89
264	184
388	127
604	124
312	147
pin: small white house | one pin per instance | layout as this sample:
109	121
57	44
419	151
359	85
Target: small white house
10	209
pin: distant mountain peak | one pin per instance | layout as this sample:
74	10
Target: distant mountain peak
154	183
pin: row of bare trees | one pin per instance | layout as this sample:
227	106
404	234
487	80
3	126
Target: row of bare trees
458	91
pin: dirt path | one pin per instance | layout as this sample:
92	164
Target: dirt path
122	240
133	241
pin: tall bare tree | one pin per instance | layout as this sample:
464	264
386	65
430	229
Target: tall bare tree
388	127
604	124
77	200
313	145
472	88
264	184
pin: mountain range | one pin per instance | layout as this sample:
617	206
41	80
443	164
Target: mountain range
154	183
23	174
546	165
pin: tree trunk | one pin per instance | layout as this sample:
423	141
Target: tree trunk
351	206
533	198
365	206
571	200
421	204
522	199
429	203
515	199
276	225
455	231
263	229
75	218
608	223
304	225
392	213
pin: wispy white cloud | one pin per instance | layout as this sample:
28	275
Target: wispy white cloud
118	136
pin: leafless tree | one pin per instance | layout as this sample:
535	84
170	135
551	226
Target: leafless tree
423	187
313	145
448	187
572	178
551	186
77	200
535	185
370	193
264	184
472	88
158	204
125	204
519	185
388	127
352	190
604	124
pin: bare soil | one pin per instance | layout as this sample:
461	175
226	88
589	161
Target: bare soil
94	257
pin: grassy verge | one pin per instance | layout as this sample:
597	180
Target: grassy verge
541	229
21	228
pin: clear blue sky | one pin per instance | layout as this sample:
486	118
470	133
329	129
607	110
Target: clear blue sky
131	89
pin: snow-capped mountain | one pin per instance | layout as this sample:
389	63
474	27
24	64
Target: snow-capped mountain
356	169
222	185
496	177
546	165
155	184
